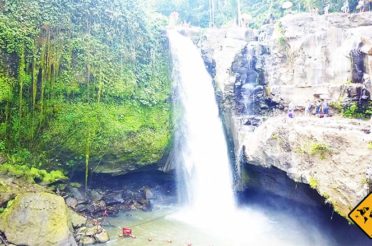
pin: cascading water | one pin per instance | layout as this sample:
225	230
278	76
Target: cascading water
205	181
209	215
205	178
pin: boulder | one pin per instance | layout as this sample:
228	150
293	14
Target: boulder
96	195
148	194
91	231
76	219
75	192
113	198
102	237
87	241
37	219
71	202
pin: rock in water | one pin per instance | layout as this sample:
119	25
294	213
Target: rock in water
148	194
37	219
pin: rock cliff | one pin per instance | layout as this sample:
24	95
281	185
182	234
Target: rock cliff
301	57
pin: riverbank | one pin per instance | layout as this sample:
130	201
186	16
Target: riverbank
159	224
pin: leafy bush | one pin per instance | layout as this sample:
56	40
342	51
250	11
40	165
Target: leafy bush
354	111
336	105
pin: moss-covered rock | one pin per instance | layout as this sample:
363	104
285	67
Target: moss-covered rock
116	139
37	219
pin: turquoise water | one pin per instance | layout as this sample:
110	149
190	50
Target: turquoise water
153	228
162	227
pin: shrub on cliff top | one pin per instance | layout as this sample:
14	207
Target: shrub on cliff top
358	112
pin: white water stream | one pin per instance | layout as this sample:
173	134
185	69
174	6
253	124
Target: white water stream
204	173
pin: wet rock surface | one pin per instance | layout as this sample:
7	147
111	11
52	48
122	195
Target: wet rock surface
111	195
92	234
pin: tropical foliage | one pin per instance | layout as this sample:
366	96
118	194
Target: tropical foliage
83	79
220	12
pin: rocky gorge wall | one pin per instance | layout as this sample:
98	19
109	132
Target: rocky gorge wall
298	58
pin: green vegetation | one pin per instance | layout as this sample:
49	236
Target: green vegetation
280	33
32	174
313	183
314	149
320	149
6	206
354	111
206	13
336	105
370	145
81	81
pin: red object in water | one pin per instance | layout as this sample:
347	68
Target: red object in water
127	232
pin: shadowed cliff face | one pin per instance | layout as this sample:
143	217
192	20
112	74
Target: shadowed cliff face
259	73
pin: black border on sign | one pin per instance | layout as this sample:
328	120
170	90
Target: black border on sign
349	215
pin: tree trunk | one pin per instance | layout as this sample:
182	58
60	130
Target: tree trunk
87	156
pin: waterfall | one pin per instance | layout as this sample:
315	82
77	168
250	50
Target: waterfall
204	172
205	183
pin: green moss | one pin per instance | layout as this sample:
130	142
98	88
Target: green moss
300	150
326	196
364	181
337	106
275	136
313	182
7	207
320	149
75	86
370	145
119	134
314	149
32	174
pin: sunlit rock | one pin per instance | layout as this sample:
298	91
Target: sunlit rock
37	219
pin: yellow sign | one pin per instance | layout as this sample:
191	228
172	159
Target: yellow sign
362	215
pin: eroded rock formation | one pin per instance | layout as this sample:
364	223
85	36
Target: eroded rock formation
259	73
